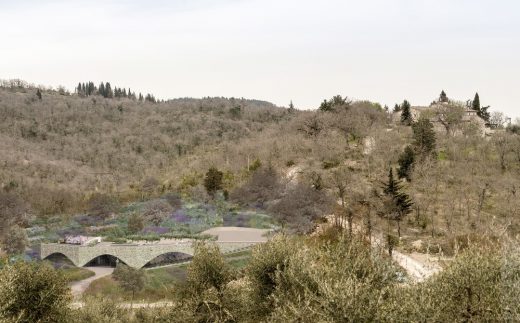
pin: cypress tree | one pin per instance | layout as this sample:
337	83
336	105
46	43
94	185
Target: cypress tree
108	91
406	114
39	94
476	104
102	90
443	97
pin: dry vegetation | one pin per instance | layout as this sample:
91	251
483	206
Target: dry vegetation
65	154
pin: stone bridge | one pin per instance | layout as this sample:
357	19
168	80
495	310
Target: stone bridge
134	255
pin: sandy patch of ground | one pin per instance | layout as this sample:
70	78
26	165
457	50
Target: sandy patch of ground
79	287
237	234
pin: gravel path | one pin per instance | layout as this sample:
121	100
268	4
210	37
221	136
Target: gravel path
238	234
81	286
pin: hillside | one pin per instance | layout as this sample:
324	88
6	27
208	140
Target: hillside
59	150
364	200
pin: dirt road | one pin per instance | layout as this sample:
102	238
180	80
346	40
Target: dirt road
81	286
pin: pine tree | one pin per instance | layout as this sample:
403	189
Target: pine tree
325	106
406	160
291	106
397	108
400	202
443	97
39	94
390	188
78	88
406	114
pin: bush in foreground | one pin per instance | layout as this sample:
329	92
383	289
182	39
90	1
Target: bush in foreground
31	292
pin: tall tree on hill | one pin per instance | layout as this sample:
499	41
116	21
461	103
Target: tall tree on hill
481	111
424	137
108	91
291	106
101	90
213	181
406	114
397	108
476	103
443	97
39	94
398	203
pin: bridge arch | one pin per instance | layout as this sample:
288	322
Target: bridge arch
167	258
105	260
58	257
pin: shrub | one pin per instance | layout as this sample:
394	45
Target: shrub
102	205
33	292
263	186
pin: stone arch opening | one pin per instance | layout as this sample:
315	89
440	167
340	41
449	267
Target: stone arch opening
59	260
168	258
104	261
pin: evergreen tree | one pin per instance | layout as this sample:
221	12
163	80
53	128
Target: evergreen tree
78	88
397	108
108	91
291	106
102	90
141	97
39	94
400	202
476	104
424	137
91	88
406	114
391	187
443	97
325	106
481	111
213	181
406	160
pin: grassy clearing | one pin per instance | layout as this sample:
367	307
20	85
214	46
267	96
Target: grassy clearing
76	273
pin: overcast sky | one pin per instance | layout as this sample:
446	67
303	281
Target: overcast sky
275	50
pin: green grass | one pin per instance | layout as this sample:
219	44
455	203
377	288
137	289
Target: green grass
76	273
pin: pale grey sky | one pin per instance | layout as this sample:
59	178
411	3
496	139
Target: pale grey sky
275	50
